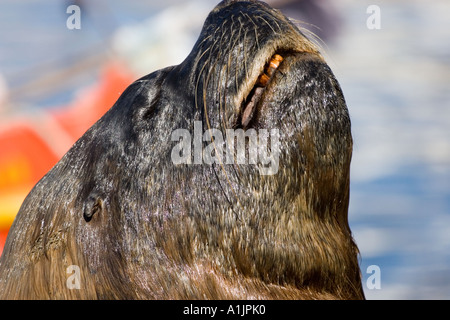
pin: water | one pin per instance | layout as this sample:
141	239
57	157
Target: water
395	80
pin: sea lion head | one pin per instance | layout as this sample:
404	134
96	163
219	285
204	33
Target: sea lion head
157	201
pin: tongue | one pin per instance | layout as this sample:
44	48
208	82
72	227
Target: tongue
251	106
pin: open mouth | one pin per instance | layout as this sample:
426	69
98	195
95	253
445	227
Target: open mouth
250	105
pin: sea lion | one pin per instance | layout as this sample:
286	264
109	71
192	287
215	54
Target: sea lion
118	218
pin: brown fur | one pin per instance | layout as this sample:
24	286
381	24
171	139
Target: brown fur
140	227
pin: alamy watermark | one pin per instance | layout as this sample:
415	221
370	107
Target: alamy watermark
73	281
374	20
262	149
374	280
74	20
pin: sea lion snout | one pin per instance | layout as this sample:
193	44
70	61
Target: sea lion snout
229	60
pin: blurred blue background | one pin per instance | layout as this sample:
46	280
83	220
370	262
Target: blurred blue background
395	80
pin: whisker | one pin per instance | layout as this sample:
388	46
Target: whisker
244	51
238	38
273	19
206	38
255	29
205	84
200	75
314	38
221	111
270	26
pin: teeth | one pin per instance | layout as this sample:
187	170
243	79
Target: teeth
272	66
263	80
274	63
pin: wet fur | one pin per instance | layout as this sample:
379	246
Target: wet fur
140	227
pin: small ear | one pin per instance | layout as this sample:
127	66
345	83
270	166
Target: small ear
93	205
